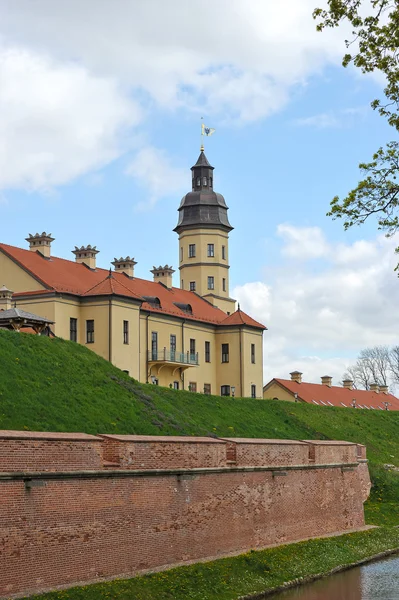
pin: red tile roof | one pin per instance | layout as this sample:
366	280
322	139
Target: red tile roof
61	275
323	395
241	318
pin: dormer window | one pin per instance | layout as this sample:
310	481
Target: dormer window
204	181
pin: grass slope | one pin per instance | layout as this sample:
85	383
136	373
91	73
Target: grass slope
55	385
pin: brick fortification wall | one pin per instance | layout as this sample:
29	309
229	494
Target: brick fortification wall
76	508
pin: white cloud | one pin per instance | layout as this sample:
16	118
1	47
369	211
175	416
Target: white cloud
57	121
231	58
303	243
319	320
155	172
331	120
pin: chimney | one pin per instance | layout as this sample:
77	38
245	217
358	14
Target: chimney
86	255
374	387
384	389
125	265
5	298
163	275
348	384
40	242
326	380
296	376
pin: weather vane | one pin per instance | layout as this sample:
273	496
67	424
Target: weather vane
205	131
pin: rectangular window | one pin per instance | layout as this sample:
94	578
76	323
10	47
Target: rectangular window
253	391
225	353
90	331
225	390
175	385
253	354
192	286
207	351
224	284
211	250
207	388
73	330
191	250
224	252
181	254
154	345
192	386
172	347
125	332
192	350
182	284
211	283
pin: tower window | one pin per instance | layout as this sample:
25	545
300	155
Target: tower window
90	331
204	181
211	283
211	250
198	181
192	286
253	354
224	252
210	181
253	391
125	332
224	284
225	353
181	254
191	250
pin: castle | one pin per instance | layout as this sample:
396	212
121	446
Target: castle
191	337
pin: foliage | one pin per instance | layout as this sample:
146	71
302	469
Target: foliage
374	47
250	573
379	364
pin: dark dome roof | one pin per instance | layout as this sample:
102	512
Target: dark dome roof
203	207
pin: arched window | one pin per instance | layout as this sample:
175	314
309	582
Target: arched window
198	181
210	181
204	181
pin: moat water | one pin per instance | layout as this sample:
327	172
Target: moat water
375	581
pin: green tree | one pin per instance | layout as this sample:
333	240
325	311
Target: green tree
374	46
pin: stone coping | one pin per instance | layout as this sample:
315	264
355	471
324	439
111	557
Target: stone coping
162	438
48	436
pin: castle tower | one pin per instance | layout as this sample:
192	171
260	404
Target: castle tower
203	230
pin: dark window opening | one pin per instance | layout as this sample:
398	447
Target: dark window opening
191	251
211	250
224	252
90	331
192	286
125	332
253	391
211	283
192	349
207	352
73	329
253	354
207	388
225	353
224	284
175	385
225	390
154	345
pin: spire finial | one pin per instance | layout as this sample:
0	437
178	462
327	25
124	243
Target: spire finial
239	307
202	149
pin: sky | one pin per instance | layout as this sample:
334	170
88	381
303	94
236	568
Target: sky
100	116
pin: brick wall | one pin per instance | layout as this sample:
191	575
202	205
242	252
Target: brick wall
37	451
62	528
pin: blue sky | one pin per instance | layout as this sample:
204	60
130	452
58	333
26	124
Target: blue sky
101	125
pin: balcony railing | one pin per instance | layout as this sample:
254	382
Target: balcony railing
183	358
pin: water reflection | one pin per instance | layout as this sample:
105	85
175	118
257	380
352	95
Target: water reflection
376	581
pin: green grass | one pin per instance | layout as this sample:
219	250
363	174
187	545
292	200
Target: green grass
229	578
56	385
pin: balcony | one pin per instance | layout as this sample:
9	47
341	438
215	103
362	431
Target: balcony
179	359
